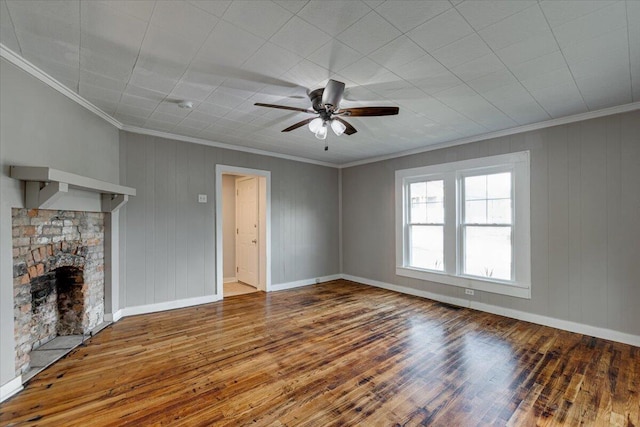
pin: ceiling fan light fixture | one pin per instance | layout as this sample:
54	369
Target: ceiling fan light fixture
338	127
315	124
322	132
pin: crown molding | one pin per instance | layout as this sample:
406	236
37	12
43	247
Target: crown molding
168	135
506	132
45	78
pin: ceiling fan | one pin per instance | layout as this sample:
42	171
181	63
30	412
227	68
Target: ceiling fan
326	106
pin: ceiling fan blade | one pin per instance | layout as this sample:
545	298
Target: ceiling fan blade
370	111
299	124
350	130
284	107
332	93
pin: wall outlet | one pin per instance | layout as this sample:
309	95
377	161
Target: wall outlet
202	198
469	291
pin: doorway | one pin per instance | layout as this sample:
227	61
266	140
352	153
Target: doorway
243	235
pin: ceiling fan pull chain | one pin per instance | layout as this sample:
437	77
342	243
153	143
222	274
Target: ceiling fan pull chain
326	145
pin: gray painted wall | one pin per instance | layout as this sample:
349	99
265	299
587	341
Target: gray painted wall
168	238
41	127
585	228
229	226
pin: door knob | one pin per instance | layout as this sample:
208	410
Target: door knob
254	241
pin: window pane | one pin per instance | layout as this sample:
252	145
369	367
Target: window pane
435	213
475	212
435	191
427	247
499	211
418	194
499	186
487	252
475	187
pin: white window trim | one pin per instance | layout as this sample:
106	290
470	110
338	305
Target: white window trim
519	163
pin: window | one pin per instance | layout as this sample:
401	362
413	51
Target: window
466	224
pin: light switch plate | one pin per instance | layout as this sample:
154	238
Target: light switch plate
202	198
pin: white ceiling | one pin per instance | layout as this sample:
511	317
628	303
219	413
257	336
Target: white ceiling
455	68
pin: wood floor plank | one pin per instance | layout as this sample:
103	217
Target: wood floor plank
334	354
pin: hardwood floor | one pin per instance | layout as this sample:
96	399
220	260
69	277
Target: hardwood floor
333	354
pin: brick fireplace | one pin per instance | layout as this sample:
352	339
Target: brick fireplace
58	276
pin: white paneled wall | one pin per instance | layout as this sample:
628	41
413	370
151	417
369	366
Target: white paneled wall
585	220
168	238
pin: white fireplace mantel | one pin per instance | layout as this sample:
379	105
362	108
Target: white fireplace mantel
45	185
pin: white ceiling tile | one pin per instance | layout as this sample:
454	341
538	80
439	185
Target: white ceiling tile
605	91
592	25
561	12
7	33
184	20
478	67
334	56
228	46
517	103
146	79
141	9
464	100
292	6
189	122
262	18
45	49
215	7
437	82
542	80
363	71
597	48
225	99
141	92
159	125
467	49
130	120
100	56
111	25
307	74
528	49
63	10
333	17
139	102
359	37
560	100
166	117
441	30
211	110
87	77
516	28
300	37
423	67
397	53
482	13
613	62
271	60
540	65
90	91
130	110
191	91
107	107
498	79
411	13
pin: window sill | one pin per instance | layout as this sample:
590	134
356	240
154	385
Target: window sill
513	290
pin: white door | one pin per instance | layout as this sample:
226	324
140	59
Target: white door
247	253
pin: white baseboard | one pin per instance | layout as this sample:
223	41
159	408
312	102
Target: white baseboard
113	317
304	282
9	389
566	325
229	279
169	305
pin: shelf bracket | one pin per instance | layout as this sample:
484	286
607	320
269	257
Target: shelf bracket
42	198
113	202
